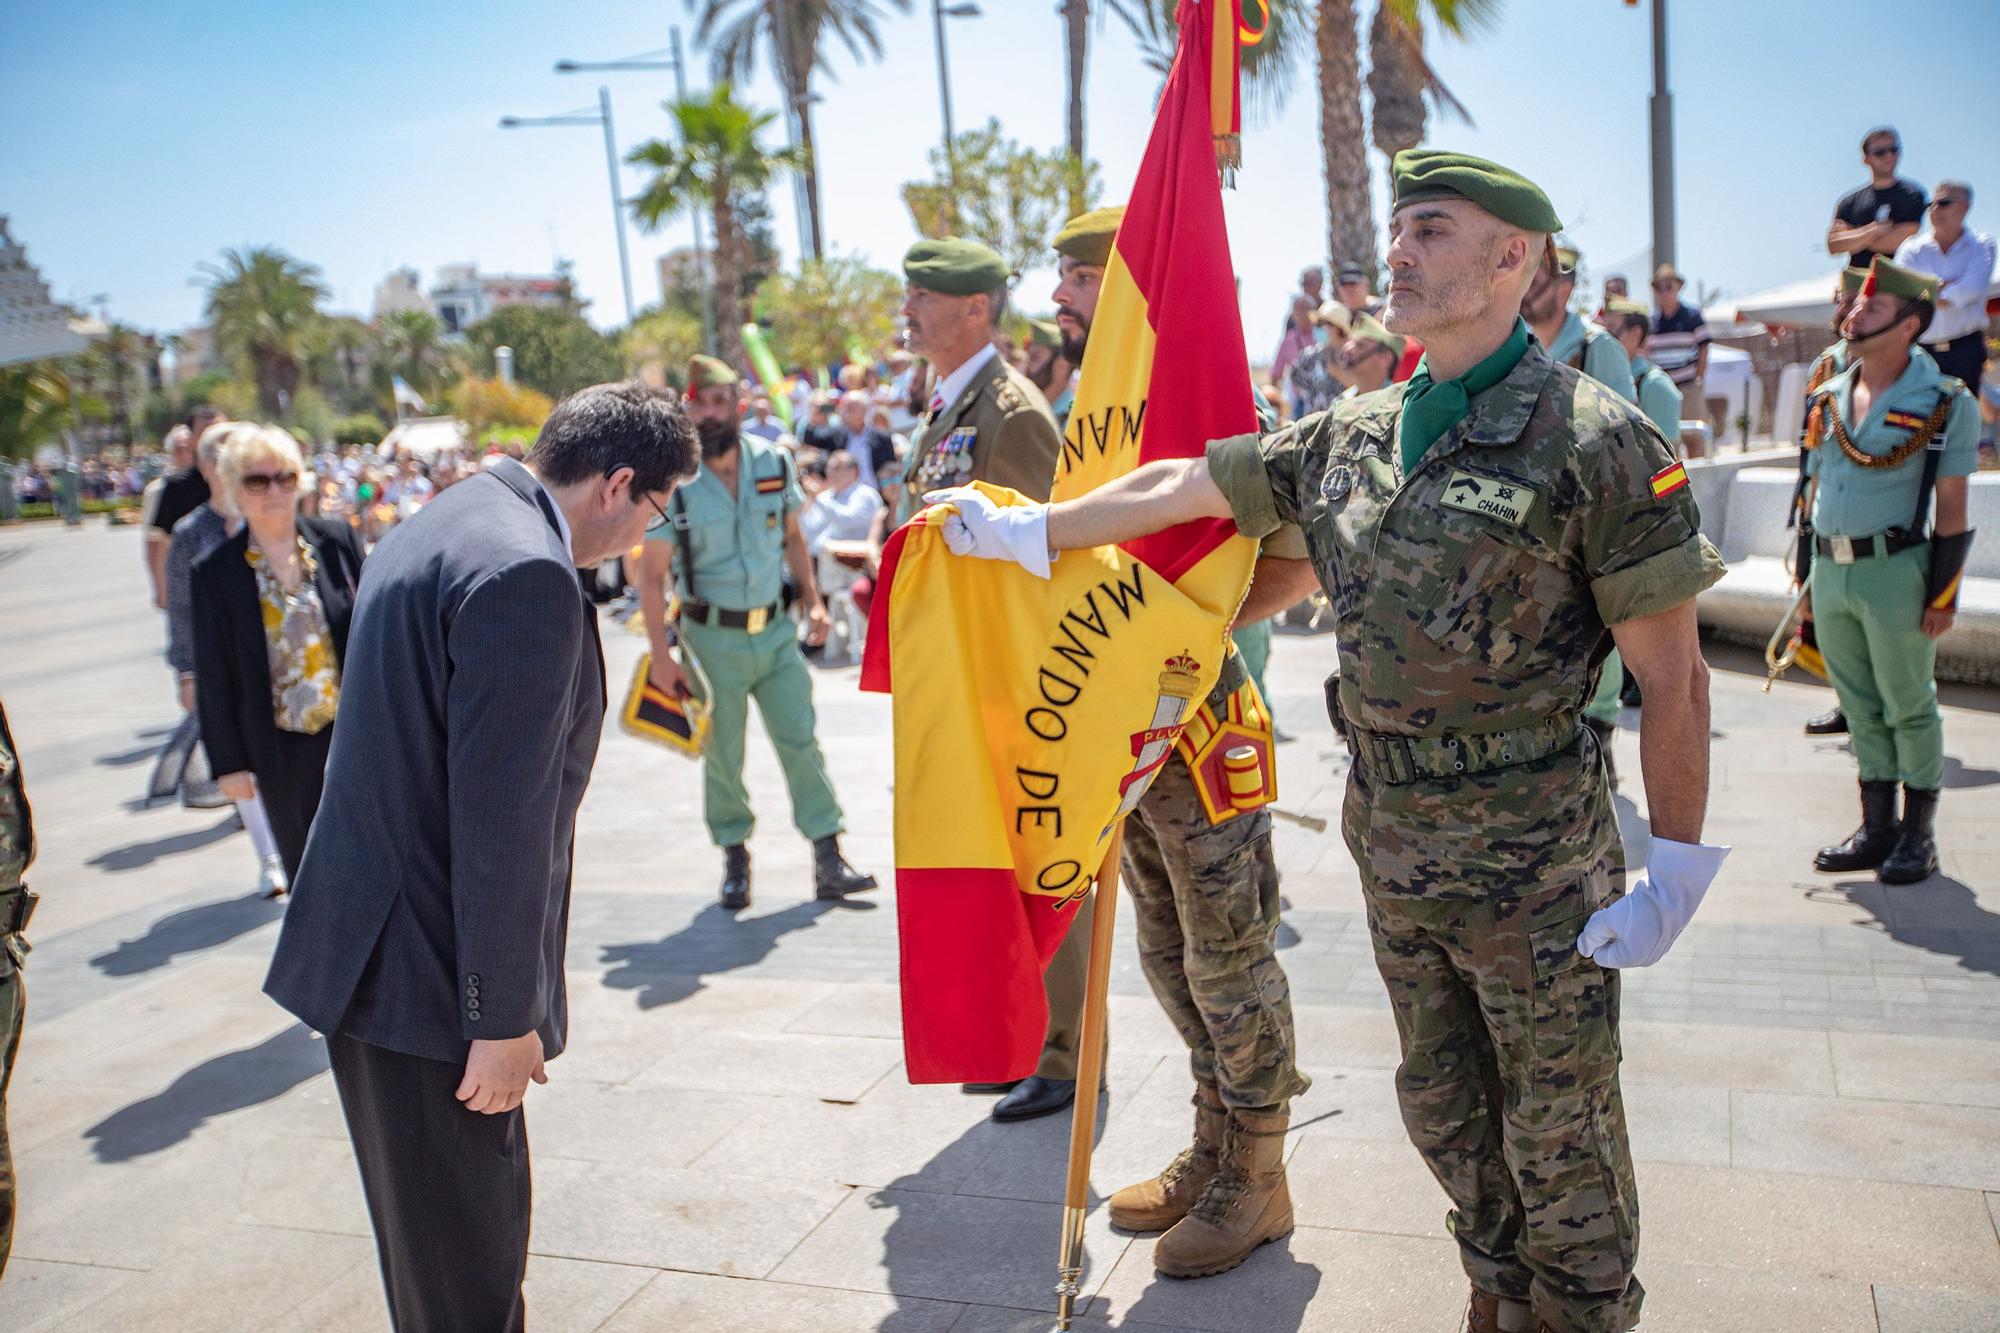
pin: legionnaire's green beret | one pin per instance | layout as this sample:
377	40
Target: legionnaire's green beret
1370	329
1852	277
1895	280
1428	173
707	372
1044	333
1087	237
955	266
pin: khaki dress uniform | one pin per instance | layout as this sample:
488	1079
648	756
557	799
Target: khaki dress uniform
1472	600
999	430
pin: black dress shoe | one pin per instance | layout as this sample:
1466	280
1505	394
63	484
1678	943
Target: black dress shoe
735	878
1035	1096
987	1089
1828	724
832	876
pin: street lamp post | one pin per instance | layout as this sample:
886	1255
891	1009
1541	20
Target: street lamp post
939	13
674	61
602	117
1661	107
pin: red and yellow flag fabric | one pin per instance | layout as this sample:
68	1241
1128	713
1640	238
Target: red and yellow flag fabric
1031	715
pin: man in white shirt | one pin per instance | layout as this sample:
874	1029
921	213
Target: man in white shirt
845	508
761	423
1962	261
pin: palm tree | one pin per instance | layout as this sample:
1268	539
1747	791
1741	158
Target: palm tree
1076	43
715	159
35	406
731	30
412	345
1399	78
263	305
118	350
1268	66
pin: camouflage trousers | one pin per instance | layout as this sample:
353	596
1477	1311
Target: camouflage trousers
13	1002
1205	900
1509	1089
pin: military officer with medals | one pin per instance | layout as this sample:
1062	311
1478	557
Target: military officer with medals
985	420
1893	433
1825	366
1484	531
729	534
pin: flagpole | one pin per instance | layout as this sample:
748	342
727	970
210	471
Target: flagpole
1089	1080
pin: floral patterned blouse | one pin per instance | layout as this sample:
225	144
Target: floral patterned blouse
305	675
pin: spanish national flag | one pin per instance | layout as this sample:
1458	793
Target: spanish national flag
1031	715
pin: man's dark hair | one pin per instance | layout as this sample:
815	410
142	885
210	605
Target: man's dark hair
1877	133
1624	321
1925	312
596	431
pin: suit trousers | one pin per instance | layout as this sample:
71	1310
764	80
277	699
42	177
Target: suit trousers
447	1189
292	791
1064	982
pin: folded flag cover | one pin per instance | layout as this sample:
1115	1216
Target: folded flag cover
1031	715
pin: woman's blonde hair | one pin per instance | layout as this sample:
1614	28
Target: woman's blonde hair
244	445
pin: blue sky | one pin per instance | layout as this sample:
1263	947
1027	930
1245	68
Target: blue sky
142	138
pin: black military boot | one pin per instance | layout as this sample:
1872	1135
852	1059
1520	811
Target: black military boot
1873	841
1915	856
832	876
1828	724
735	878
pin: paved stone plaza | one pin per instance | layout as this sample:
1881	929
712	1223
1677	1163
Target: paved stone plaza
1813	1076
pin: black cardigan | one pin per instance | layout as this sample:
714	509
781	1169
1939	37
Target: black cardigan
232	667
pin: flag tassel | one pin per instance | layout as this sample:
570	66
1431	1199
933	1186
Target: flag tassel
1089	1081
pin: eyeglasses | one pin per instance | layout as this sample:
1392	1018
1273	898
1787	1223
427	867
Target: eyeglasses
1887	150
256	483
660	523
1667	286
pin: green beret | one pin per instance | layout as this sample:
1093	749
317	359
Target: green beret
1044	333
1428	173
1851	279
1370	329
706	372
955	266
1895	280
1087	237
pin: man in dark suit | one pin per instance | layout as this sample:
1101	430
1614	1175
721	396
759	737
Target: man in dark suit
426	937
851	432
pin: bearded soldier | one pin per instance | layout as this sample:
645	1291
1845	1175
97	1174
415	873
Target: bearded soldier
1891	431
1484	532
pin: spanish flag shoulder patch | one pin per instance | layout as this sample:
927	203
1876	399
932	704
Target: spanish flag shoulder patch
1904	420
1669	479
771	485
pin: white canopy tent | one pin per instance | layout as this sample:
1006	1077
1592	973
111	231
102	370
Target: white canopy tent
424	437
1807	303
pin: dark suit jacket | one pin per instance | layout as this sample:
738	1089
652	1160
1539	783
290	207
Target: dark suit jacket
432	906
232	664
881	449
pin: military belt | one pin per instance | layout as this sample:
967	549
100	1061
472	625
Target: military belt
1397	761
17	906
1846	550
754	619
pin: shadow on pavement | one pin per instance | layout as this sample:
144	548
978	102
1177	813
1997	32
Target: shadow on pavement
141	854
126	758
1278	1286
231	1082
1940	915
188	931
1958	773
669	970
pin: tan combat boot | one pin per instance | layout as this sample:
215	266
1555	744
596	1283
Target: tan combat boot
1488	1313
1156	1204
1245	1205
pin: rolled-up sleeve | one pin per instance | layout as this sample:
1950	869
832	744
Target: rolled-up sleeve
1258	476
1644	553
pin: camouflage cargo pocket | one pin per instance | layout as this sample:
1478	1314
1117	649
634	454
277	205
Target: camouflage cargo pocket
1235	887
1576	1045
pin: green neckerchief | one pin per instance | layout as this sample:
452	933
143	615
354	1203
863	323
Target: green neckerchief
1431	408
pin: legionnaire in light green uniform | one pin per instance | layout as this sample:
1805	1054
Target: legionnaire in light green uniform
1658	396
17	849
1825	366
1479	529
1205	900
731	532
986	421
1892	431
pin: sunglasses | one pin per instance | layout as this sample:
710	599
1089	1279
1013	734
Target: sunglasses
1665	286
257	483
1890	150
1945	203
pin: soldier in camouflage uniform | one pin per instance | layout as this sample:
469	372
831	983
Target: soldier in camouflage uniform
1484	532
17	849
1205	900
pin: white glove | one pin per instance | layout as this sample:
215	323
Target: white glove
1638	929
978	527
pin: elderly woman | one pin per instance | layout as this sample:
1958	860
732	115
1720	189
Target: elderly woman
271	611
